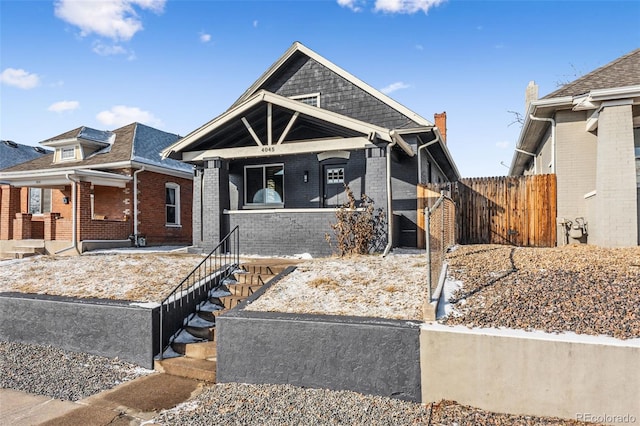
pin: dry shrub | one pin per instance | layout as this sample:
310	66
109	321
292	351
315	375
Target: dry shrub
324	283
360	227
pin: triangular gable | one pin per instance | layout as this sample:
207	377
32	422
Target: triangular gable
298	48
209	140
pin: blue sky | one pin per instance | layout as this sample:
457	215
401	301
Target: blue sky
176	64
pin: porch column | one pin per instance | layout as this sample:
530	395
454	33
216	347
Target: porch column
9	206
50	226
375	179
22	226
616	208
214	199
84	229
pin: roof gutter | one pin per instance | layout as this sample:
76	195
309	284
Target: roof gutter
553	141
394	140
436	139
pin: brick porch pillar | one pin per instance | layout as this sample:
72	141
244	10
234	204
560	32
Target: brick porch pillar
22	226
50	226
9	206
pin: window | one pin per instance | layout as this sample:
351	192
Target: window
39	200
264	184
68	153
172	203
312	99
335	175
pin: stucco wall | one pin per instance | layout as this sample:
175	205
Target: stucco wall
100	327
367	355
531	373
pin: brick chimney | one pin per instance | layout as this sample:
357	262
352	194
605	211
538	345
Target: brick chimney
530	95
441	123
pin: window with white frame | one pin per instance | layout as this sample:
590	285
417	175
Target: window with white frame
39	200
312	99
264	185
172	203
68	153
335	175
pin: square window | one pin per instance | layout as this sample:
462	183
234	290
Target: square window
68	153
335	175
264	184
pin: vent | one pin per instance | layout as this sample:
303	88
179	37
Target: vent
39	150
12	144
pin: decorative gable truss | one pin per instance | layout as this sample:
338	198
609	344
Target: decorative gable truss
267	125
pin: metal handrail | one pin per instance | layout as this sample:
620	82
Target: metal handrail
217	265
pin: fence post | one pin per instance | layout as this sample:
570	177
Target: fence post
427	234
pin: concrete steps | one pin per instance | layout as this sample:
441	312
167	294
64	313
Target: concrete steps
192	368
27	248
198	360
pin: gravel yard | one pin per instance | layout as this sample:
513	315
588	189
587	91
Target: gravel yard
145	277
243	404
372	286
583	289
44	370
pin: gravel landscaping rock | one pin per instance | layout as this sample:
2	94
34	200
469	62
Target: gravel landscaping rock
579	288
242	404
45	370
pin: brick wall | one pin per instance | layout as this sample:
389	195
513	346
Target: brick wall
89	229
9	206
616	208
152	209
284	233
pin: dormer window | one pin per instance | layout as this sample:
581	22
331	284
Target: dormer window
312	99
67	154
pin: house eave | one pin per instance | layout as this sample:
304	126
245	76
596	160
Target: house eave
57	177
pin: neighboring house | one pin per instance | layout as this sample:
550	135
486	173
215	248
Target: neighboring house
12	153
98	189
277	161
588	134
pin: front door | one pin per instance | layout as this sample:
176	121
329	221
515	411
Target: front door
333	185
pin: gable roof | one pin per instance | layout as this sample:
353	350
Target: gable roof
134	142
298	48
624	71
193	139
12	153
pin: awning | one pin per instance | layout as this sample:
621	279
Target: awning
57	178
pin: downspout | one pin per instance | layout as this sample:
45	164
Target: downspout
392	133
74	219
535	160
135	204
553	138
421	147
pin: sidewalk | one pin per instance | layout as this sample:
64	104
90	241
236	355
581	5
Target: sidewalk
132	402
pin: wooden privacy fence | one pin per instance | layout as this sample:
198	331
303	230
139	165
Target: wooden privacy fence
516	210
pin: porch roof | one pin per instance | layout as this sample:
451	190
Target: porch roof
268	124
58	178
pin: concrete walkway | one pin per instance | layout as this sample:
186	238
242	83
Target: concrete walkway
130	403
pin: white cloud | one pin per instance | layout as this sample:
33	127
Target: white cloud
502	144
406	6
205	38
19	78
115	19
121	115
351	4
63	106
393	87
108	50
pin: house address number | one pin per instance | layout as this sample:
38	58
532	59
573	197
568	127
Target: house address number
268	149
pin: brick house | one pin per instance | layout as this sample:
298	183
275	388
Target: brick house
97	189
277	161
588	134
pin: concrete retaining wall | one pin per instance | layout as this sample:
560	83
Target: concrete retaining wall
367	355
99	327
574	377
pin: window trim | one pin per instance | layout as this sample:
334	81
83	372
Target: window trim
176	205
249	205
315	95
68	149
